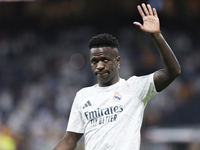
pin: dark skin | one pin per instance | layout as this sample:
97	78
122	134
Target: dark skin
105	61
69	141
151	26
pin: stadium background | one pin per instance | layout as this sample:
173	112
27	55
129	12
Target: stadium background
44	62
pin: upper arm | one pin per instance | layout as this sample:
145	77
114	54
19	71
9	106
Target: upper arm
162	78
69	141
72	137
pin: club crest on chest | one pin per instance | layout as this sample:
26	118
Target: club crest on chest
117	97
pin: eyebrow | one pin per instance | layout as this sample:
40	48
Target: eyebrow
98	58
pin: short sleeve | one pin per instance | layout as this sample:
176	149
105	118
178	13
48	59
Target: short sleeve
143	86
75	123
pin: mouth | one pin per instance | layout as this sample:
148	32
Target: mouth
99	74
102	74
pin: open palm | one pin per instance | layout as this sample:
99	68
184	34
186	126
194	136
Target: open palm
151	23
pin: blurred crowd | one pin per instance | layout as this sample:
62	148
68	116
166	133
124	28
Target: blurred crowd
38	85
40	73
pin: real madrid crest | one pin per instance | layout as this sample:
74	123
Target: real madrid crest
117	97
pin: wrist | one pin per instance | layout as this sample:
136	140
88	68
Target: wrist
156	35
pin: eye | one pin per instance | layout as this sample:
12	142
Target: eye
93	61
105	60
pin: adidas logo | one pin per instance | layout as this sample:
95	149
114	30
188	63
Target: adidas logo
87	104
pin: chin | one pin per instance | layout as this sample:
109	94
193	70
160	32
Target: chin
103	80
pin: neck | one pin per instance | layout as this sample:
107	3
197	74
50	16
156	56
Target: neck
109	83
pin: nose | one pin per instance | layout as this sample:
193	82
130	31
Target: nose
100	65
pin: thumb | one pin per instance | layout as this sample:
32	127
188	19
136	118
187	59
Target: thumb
137	24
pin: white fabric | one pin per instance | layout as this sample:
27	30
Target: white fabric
111	117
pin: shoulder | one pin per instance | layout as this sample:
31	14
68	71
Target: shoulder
89	89
138	81
83	94
140	78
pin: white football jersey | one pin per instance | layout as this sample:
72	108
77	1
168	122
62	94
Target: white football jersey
111	117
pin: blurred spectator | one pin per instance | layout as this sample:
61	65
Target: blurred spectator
7	141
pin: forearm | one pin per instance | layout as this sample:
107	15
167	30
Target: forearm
168	58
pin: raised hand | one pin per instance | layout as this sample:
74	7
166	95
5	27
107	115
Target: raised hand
151	23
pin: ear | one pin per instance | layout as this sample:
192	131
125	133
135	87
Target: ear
118	60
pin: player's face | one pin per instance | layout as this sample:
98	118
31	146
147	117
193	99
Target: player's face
104	62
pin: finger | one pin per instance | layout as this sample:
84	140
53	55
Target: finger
155	12
150	9
137	24
140	11
145	9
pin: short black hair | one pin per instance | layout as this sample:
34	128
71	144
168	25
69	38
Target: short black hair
104	40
